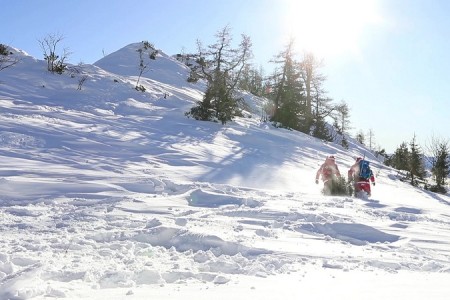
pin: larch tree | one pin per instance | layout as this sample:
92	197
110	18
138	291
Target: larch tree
287	90
342	118
312	82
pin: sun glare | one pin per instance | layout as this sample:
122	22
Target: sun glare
329	27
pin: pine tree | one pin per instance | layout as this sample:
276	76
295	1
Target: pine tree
416	165
252	80
400	158
288	94
7	59
440	163
360	137
320	130
312	81
147	49
221	66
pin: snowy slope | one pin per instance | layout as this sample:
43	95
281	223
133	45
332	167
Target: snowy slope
111	192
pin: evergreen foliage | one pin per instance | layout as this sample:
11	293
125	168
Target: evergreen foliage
252	80
416	165
341	123
55	63
4	50
147	49
400	158
440	164
288	94
320	130
221	66
340	187
409	159
360	137
344	142
6	58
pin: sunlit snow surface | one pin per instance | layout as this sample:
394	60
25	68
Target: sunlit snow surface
107	192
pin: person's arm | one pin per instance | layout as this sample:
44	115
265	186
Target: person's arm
350	173
318	173
338	174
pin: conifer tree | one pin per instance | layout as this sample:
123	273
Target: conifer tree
55	63
313	86
342	121
400	158
221	66
440	162
287	88
147	49
361	138
416	165
7	59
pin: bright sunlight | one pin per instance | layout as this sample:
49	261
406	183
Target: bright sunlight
328	27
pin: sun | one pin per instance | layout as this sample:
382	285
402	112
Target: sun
329	27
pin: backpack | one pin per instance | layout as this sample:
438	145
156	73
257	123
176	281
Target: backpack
364	169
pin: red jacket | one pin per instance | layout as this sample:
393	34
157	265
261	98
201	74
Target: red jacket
327	170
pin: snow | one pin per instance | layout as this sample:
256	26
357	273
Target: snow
107	192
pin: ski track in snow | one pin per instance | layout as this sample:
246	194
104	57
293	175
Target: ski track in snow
58	239
120	190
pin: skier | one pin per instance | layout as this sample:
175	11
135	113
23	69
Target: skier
329	173
361	175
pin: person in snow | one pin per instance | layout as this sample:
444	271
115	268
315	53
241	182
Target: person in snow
361	175
329	173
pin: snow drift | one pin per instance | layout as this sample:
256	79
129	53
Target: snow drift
110	192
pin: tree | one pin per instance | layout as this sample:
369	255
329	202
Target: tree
400	158
320	130
342	121
7	59
322	109
252	80
440	162
313	82
416	166
147	49
55	63
287	90
221	66
361	138
371	138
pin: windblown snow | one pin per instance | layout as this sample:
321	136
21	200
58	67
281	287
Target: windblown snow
106	191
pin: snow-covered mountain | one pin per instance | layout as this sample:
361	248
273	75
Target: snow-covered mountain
106	191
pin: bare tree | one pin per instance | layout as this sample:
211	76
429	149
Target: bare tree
55	63
312	81
7	59
342	118
149	49
371	137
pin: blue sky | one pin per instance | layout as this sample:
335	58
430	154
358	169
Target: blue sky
389	60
